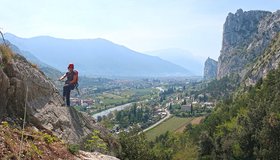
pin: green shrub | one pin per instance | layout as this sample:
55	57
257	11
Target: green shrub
5	124
49	138
35	150
73	148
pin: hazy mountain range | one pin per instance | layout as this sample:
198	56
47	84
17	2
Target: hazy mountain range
180	57
96	57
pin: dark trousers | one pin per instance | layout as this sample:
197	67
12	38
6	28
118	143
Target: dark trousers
66	92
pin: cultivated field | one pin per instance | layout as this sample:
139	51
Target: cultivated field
172	124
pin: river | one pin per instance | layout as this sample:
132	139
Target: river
107	111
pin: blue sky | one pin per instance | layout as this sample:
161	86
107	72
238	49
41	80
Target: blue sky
142	25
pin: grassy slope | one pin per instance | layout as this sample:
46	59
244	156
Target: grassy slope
171	124
195	121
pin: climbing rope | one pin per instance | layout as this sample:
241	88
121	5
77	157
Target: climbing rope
23	124
24	116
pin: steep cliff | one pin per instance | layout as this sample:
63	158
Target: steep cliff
24	85
268	61
246	36
210	69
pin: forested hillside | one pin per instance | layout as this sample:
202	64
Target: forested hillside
246	124
245	127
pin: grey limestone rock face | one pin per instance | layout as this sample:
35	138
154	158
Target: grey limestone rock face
210	69
4	86
246	36
268	61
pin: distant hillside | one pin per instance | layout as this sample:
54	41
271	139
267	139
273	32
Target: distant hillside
245	127
96	57
180	57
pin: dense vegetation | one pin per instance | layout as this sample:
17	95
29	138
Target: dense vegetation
216	89
134	115
166	147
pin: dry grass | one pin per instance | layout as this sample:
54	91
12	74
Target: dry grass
34	65
7	53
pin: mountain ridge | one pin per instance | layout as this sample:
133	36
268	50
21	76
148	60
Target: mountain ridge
96	57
